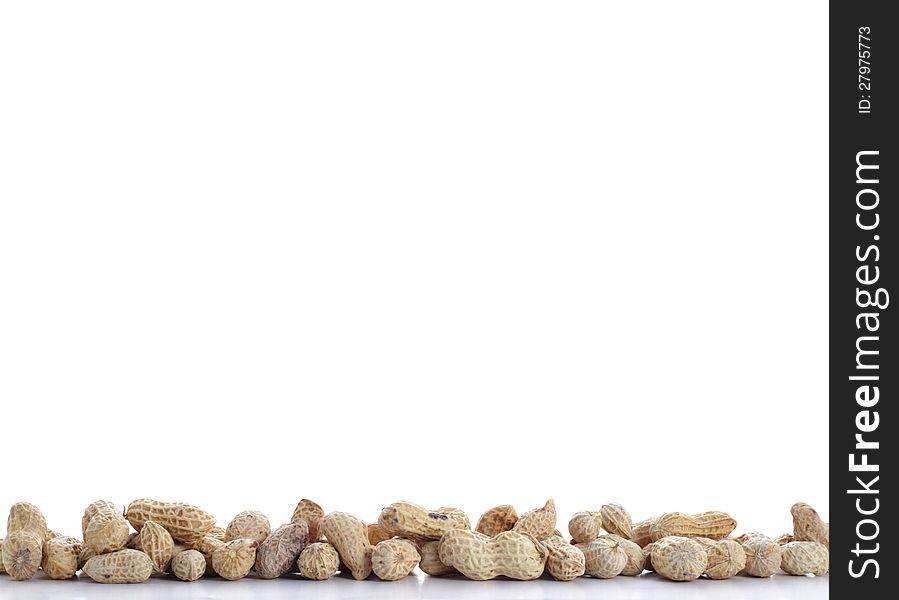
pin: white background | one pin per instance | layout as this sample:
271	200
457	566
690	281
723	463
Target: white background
462	253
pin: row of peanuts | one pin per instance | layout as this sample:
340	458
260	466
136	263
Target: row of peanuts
176	538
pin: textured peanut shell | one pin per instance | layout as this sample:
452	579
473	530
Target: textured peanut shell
743	537
312	514
122	566
188	565
394	559
157	543
22	554
106	532
678	558
785	538
763	557
724	558
279	552
2	570
497	520
616	520
634	565
539	523
604	558
803	558
233	560
318	561
85	555
408	520
206	546
478	557
24	516
376	534
184	522
713	524
647	556
641	530
60	557
349	536
585	526
96	508
248	525
430	560
564	562
808	526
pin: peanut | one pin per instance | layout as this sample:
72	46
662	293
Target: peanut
2	570
615	519
60	557
585	526
714	525
564	562
634	565
647	556
154	541
24	516
430	560
217	533
724	558
539	523
121	566
408	520
188	565
184	522
808	526
248	525
802	558
22	554
497	519
743	537
678	558
206	546
280	551
763	557
349	536
394	559
785	538
641	535
233	560
318	561
312	513
376	534
106	532
604	558
510	553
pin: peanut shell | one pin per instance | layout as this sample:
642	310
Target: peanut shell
122	566
279	552
497	519
394	559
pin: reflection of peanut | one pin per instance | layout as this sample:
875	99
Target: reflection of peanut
678	558
802	558
713	524
510	553
122	566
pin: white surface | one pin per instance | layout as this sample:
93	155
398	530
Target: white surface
460	253
422	586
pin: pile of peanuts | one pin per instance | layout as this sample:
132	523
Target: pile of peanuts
184	541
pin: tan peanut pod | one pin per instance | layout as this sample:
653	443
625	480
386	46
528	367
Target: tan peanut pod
724	558
248	525
785	538
678	558
106	532
234	559
133	542
95	508
802	558
564	562
24	516
157	543
217	533
279	552
616	519
743	537
430	560
394	559
60	557
808	526
2	570
188	565
318	561
52	534
497	520
585	526
349	536
408	520
206	546
713	524
647	556
312	513
510	553
763	557
634	565
539	523
376	534
85	555
604	558
22	554
121	566
184	522
640	530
